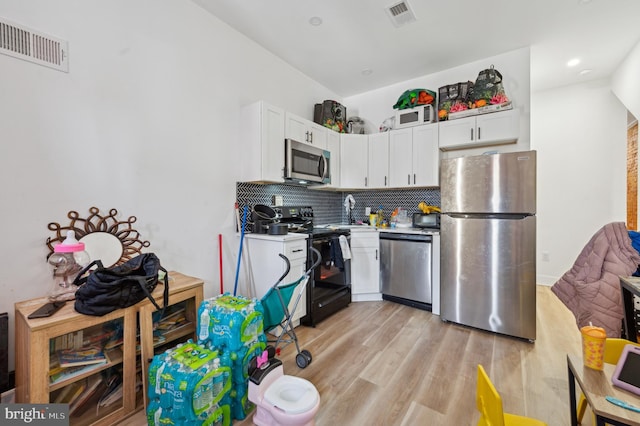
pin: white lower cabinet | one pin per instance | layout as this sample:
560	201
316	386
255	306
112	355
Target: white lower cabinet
266	266
365	265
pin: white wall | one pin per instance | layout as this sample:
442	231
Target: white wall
377	105
625	83
579	132
146	122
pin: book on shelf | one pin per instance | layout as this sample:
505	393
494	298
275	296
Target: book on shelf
70	393
98	338
92	390
112	393
173	320
83	356
113	343
71	372
71	340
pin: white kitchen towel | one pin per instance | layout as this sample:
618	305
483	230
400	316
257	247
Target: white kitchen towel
344	246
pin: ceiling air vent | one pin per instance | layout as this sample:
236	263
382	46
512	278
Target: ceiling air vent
23	43
400	13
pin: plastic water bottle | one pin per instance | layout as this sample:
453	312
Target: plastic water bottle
203	334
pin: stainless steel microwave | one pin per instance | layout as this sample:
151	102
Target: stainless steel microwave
306	164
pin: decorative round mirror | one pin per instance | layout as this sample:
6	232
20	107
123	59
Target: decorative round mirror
106	238
104	246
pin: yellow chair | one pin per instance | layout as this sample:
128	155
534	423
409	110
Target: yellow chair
612	350
489	404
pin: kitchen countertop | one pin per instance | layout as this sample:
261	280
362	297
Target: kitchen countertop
410	230
287	237
367	228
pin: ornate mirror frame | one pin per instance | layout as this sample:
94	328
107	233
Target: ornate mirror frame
106	238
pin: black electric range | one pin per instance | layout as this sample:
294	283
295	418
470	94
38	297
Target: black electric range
330	287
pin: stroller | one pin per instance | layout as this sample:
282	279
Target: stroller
276	312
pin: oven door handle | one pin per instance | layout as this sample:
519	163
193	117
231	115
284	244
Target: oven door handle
318	256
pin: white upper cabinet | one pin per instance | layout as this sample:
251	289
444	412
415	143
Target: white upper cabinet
333	146
378	164
414	157
400	157
481	130
364	161
426	156
305	131
262	139
354	153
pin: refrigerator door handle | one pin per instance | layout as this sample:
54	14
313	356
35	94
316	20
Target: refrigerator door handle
508	216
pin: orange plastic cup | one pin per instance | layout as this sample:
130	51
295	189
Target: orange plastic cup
593	339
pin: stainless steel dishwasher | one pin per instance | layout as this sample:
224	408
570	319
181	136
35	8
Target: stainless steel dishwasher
405	268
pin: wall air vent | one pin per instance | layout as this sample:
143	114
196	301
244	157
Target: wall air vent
400	13
23	43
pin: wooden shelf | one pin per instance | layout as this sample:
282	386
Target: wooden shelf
33	338
115	358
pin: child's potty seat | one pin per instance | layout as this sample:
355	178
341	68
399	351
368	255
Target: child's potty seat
293	395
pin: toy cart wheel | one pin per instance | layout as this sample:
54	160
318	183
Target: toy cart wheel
308	355
302	360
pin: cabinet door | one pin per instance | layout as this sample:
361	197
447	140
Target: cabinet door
365	270
296	128
303	130
353	161
456	132
498	127
333	146
426	155
378	165
400	161
272	143
262	143
318	135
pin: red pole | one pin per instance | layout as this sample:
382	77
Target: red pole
220	251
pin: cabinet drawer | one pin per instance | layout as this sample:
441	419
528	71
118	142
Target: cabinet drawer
296	250
368	241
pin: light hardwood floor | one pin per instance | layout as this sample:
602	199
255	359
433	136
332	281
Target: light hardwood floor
380	363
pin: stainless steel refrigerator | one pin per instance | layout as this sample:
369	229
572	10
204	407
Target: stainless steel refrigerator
488	242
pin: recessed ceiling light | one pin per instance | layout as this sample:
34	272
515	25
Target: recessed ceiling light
367	71
573	62
585	72
315	21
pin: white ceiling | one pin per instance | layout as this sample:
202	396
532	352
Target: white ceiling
358	34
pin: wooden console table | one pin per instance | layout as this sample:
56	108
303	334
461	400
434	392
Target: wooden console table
34	344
